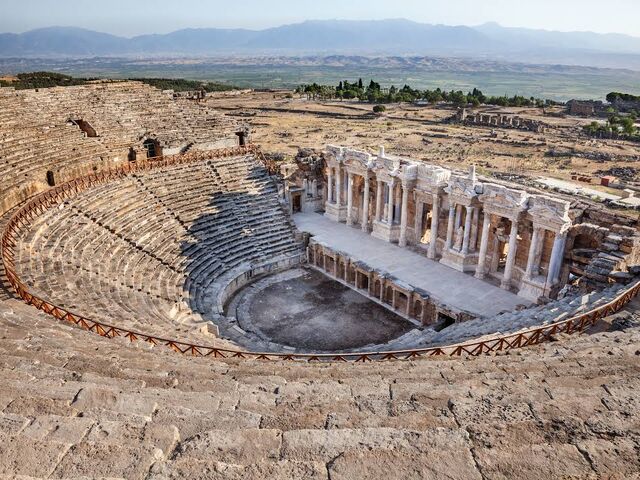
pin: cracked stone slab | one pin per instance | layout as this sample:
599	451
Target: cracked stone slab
240	447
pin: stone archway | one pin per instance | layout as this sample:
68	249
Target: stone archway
152	147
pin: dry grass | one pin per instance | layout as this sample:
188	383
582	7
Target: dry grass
281	124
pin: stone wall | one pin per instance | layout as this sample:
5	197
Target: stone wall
403	299
498	120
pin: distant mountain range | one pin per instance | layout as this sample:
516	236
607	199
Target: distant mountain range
382	37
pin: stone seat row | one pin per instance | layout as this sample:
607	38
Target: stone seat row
91	407
35	135
91	281
513	322
124	247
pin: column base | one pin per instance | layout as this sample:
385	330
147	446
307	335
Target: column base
533	289
335	213
459	261
386	232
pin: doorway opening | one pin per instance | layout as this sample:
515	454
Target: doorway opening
51	181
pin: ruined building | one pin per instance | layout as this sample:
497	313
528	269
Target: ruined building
530	243
498	120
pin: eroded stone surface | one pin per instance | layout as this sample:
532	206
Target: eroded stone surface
559	408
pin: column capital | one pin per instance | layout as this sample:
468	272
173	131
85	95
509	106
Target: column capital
408	182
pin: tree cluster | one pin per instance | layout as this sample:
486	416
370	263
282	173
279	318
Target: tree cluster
182	85
52	79
42	80
616	126
374	93
613	97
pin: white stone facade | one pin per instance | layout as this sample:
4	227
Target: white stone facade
500	234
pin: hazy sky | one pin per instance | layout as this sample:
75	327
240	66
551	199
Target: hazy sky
132	17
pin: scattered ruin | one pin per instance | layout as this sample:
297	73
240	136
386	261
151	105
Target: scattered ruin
498	120
586	108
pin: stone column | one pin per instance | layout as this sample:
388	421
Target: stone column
314	188
495	255
562	241
511	255
435	212
330	185
484	244
379	187
364	224
533	252
555	263
403	216
458	217
397	204
538	252
417	224
452	212
467	229
349	198
390	202
474	229
338	187
345	178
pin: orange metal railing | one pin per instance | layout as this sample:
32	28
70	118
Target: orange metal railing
21	219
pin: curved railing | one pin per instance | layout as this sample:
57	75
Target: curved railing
40	203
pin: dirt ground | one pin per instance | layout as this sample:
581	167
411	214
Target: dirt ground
281	124
317	313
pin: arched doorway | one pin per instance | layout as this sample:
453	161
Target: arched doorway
417	309
85	127
152	147
51	181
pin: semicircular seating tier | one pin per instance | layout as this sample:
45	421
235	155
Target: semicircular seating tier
87	406
68	131
155	249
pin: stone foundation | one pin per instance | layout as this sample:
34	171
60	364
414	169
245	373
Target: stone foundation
405	300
